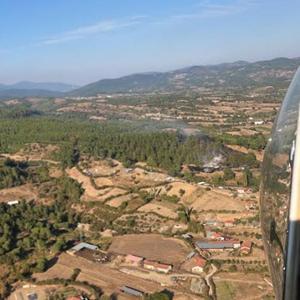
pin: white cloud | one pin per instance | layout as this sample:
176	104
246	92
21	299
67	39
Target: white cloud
214	9
90	30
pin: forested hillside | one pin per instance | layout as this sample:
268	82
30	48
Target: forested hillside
241	74
114	140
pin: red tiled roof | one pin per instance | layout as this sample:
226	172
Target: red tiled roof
200	262
246	244
156	264
134	258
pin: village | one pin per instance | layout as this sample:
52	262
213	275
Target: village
184	237
142	230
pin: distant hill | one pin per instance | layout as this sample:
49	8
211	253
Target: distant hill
239	74
48	86
19	93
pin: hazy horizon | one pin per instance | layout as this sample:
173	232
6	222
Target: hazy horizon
82	42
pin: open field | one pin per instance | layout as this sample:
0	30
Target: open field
164	209
117	201
215	199
151	246
109	279
232	286
23	192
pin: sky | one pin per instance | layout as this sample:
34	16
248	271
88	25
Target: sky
81	41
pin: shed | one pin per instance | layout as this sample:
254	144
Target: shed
131	291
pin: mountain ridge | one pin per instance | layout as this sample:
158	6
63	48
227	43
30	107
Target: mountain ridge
239	74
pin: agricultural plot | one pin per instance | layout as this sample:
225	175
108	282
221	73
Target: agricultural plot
151	246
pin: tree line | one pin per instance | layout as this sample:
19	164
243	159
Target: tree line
122	141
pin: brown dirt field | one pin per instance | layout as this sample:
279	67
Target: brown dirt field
102	167
114	192
167	210
224	216
137	178
90	192
55	172
34	152
214	199
259	154
256	254
32	157
254	284
102	181
110	280
116	202
172	189
26	192
243	132
151	246
41	291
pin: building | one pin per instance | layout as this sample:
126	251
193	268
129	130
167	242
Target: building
229	223
156	266
13	202
82	246
246	247
131	291
134	260
212	235
218	245
260	122
199	264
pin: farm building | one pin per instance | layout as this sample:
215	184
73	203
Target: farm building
156	266
246	247
199	264
212	235
131	291
82	246
134	260
218	245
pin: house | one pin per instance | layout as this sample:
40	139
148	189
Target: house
156	266
246	247
199	264
81	246
212	235
131	291
13	202
229	223
134	260
218	245
163	268
260	122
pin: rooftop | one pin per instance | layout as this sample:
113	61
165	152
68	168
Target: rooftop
84	245
216	244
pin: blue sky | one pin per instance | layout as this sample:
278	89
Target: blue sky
80	41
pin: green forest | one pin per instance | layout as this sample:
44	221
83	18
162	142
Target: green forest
123	141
